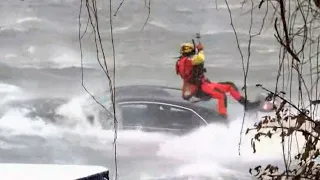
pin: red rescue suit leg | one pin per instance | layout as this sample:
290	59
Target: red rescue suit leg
218	91
229	87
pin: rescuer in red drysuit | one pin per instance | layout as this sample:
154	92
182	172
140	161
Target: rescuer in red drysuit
190	67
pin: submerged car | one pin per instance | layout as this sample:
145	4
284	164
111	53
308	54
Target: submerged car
157	108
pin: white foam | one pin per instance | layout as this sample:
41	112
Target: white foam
66	59
158	23
213	32
59	57
18	23
15	122
12	27
9	92
6	145
224	6
184	9
208	170
219	144
8	88
7	56
123	28
31	49
28	19
265	51
73	111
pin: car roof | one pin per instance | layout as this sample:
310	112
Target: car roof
150	93
162	94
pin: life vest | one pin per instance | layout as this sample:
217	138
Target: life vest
193	74
184	68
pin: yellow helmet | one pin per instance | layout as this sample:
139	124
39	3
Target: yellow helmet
187	48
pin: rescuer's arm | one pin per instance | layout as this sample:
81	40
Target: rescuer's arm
198	58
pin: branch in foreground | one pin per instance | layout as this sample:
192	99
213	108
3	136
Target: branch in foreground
149	11
93	19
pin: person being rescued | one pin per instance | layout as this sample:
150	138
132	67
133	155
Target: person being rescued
190	67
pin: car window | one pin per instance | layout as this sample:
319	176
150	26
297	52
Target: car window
159	116
134	115
178	117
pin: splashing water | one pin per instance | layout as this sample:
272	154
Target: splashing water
209	152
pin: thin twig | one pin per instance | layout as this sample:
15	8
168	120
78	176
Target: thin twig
149	11
94	21
115	14
113	90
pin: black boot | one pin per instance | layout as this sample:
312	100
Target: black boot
249	105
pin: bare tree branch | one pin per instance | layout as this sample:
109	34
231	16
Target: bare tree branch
115	14
149	11
91	7
296	32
